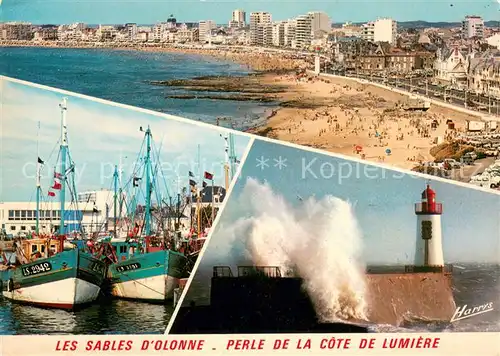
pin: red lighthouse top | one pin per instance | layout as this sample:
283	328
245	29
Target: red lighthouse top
428	204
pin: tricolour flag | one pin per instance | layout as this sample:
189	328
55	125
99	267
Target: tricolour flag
57	186
209	176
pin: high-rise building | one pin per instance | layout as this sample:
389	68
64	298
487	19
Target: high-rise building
368	31
257	22
205	30
473	26
320	23
385	30
290	29
279	34
131	30
303	31
381	30
238	19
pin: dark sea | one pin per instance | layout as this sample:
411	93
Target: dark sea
473	285
124	76
103	317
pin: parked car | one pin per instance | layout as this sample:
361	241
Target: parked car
450	162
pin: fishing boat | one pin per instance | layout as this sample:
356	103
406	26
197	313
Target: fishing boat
48	270
145	264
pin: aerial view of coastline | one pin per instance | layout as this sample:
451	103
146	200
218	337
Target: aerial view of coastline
421	95
103	211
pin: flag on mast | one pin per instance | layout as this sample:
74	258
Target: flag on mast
57	186
52	194
191	174
58	175
209	176
40	161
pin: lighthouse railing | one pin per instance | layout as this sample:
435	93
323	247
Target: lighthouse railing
423	208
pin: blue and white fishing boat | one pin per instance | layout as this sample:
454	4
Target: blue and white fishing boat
146	265
49	271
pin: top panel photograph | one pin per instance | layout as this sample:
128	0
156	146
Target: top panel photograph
399	83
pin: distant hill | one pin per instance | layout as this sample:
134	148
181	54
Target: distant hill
425	24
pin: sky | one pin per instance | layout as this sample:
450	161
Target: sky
152	11
383	202
99	135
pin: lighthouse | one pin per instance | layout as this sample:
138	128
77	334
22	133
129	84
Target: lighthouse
429	246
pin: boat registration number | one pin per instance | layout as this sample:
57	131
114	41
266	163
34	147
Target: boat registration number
38	268
96	267
128	267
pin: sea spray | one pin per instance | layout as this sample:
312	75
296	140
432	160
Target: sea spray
318	240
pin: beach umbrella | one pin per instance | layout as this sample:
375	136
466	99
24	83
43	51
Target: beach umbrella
358	148
388	151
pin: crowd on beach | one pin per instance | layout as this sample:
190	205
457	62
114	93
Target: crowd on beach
353	119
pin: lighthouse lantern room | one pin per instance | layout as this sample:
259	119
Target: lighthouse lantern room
429	246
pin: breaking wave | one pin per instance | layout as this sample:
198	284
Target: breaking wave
318	240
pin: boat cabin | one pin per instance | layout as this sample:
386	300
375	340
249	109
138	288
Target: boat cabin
125	249
32	249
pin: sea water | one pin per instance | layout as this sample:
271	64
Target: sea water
124	76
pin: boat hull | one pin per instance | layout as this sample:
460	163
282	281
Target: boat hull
149	277
73	279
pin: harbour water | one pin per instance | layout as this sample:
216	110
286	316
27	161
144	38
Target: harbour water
473	285
124	76
103	317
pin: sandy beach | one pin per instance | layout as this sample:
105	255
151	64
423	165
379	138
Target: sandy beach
362	120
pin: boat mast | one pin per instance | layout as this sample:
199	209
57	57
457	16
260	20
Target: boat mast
226	161
63	152
38	185
115	197
198	195
232	156
147	216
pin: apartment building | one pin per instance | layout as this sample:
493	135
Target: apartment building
238	19
381	30
259	22
290	31
303	31
320	24
279	34
205	30
131	29
473	26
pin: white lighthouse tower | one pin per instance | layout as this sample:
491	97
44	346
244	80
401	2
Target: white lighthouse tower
429	246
